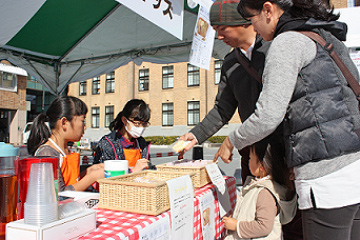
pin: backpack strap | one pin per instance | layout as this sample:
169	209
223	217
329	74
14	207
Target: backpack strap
245	63
329	47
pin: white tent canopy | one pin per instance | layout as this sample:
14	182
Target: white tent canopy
59	42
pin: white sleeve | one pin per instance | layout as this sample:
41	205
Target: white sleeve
288	54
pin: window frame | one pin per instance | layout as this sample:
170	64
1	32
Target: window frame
169	75
95	91
110	82
13	81
193	111
82	88
144	79
192	73
96	115
109	114
167	111
217	71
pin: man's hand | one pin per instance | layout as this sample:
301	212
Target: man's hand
225	151
187	137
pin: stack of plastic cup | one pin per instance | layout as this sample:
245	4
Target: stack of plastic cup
41	206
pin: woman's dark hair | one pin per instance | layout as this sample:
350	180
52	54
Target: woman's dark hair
136	109
317	9
62	106
271	153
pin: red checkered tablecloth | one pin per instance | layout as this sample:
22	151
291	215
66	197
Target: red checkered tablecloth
116	225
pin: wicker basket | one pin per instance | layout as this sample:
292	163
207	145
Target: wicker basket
201	176
124	194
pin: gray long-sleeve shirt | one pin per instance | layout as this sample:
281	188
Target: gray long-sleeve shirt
287	55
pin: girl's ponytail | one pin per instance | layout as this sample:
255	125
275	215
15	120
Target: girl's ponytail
40	132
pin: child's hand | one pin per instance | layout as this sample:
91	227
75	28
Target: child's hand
95	172
229	223
141	164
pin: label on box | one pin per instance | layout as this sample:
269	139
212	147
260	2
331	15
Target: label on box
109	173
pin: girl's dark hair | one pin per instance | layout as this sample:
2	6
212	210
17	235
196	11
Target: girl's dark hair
136	109
271	153
62	106
317	9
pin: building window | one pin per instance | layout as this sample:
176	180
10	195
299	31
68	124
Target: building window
8	80
96	86
167	77
82	88
95	117
168	114
110	83
193	110
218	65
109	115
143	79
193	74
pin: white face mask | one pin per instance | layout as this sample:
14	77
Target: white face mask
135	132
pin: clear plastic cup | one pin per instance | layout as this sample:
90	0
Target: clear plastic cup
69	209
41	206
41	189
40	214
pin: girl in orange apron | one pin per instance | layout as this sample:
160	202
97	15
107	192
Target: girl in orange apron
63	122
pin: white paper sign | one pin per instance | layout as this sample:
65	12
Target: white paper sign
159	230
207	212
203	40
221	188
181	197
167	14
355	56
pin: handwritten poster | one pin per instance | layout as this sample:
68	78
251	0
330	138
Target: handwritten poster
203	39
355	56
221	188
181	197
159	230
207	212
167	14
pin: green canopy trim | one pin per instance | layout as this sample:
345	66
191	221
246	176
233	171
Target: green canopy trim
54	37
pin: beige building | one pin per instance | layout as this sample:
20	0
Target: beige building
179	96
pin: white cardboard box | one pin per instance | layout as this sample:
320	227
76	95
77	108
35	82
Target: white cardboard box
67	228
89	199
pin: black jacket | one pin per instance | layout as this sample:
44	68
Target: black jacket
104	150
237	89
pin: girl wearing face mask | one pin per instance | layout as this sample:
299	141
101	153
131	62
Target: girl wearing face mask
125	141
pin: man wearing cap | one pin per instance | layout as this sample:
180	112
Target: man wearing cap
237	88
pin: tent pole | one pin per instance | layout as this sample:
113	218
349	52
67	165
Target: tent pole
57	77
67	82
40	75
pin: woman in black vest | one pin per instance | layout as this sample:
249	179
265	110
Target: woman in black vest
304	88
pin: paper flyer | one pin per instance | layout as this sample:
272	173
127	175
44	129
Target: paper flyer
167	14
159	230
203	39
207	212
181	197
221	188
